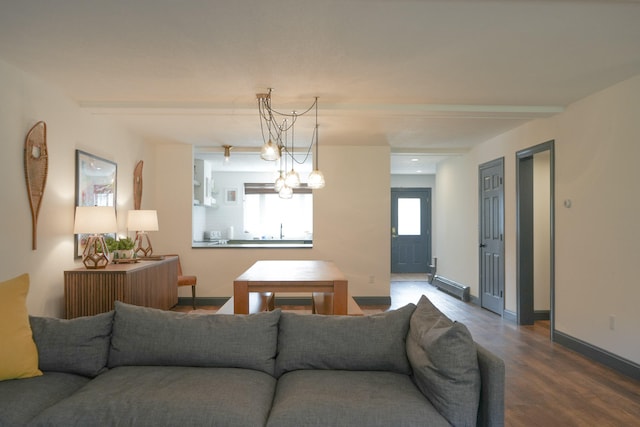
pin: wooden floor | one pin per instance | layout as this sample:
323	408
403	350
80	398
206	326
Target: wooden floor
546	384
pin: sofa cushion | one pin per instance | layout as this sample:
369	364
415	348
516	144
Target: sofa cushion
21	400
18	352
167	396
350	398
77	346
147	336
368	343
445	363
491	408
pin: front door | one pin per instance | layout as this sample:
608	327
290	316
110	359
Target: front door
410	230
491	219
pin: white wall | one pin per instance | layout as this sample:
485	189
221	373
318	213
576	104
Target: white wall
351	222
597	249
413	181
25	101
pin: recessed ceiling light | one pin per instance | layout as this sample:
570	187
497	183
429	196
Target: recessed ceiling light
415	160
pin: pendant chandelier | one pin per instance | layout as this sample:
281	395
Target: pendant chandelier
276	145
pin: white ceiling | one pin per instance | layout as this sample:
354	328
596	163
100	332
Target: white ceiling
422	76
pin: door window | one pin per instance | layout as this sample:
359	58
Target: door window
409	217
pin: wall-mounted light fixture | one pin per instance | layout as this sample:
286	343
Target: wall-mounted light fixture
227	153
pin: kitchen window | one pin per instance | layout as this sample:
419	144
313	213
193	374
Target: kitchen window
255	216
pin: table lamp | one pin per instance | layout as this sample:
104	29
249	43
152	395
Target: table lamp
95	221
142	221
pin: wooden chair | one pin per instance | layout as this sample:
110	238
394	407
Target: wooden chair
187	281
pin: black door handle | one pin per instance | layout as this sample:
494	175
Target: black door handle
482	245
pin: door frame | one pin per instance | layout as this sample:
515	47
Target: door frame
496	162
524	233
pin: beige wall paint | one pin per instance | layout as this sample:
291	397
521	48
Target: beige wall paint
25	101
596	239
541	231
597	248
351	216
455	232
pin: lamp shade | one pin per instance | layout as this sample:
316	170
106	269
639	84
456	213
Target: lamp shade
270	151
316	180
142	220
95	220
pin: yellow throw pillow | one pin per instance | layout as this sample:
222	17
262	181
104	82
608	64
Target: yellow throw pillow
18	351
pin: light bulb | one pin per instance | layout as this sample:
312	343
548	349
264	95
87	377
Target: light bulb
279	183
285	192
315	180
293	179
270	151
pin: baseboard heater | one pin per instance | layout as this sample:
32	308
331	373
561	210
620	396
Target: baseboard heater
452	288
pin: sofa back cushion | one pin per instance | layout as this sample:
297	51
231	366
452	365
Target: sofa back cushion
76	346
368	343
444	359
151	337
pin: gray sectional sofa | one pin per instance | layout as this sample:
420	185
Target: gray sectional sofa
138	366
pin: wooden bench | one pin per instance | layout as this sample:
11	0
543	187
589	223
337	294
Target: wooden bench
322	303
258	301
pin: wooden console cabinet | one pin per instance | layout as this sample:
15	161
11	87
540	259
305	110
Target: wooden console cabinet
145	283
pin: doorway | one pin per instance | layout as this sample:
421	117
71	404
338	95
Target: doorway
491	247
410	230
535	265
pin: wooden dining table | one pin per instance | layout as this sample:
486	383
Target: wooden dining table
291	276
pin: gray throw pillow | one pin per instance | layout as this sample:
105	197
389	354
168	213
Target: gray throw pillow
152	337
445	363
76	346
367	343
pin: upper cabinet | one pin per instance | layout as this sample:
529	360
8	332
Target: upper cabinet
204	188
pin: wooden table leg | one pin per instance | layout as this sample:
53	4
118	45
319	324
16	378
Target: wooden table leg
340	297
241	297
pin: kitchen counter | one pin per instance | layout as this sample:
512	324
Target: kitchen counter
254	244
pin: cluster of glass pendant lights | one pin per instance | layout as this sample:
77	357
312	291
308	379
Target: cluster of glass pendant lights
277	148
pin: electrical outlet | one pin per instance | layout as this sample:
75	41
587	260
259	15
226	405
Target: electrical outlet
372	279
612	322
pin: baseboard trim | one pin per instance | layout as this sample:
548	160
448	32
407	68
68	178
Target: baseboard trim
220	301
452	288
541	315
510	316
610	360
203	301
474	300
375	300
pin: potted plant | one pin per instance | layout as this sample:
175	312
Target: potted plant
121	249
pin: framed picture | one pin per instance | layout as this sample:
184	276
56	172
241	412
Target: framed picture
96	185
231	196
